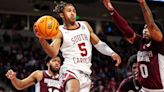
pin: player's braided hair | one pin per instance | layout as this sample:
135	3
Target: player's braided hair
59	6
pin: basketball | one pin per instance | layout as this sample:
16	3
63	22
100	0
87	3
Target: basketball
47	27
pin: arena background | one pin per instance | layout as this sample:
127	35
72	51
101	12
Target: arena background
19	48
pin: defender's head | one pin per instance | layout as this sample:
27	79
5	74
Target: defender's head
53	63
133	64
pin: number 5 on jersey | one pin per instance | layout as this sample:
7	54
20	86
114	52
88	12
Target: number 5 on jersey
82	49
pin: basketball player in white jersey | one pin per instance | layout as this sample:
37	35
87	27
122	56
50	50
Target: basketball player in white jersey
150	55
75	40
44	80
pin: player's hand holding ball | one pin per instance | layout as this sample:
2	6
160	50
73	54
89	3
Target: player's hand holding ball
46	27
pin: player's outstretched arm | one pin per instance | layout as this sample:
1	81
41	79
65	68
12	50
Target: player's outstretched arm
103	47
120	21
155	32
21	84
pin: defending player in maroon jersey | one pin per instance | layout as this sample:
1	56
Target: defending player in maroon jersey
131	84
44	80
48	83
150	56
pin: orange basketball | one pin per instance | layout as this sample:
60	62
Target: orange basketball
47	27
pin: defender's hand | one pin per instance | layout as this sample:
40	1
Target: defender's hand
108	5
11	74
141	1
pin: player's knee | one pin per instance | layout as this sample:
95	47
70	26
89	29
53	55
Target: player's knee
72	85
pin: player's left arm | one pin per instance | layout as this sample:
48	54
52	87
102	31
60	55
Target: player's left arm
20	84
31	79
102	47
155	32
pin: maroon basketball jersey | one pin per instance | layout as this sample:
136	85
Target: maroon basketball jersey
129	84
150	58
48	83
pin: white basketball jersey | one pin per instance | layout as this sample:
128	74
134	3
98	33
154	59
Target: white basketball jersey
77	48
